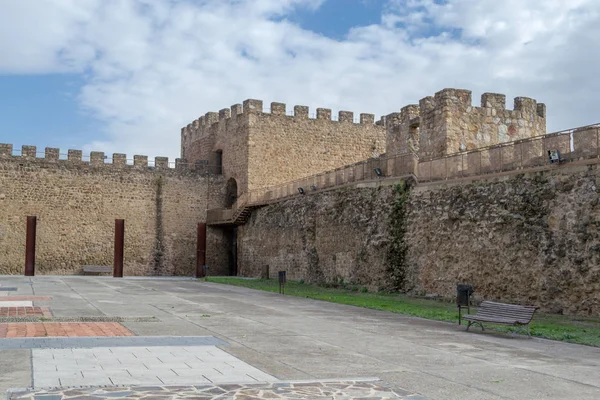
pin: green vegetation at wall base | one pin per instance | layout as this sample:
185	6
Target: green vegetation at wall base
581	330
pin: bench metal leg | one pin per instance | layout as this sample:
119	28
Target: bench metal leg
522	328
473	323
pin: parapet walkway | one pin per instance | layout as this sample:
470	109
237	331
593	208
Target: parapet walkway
541	152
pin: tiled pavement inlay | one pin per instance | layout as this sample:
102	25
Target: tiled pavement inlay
20	330
162	365
91	342
345	390
16	311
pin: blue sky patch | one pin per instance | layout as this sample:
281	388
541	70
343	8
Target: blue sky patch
44	110
336	17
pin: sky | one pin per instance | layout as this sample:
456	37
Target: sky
124	76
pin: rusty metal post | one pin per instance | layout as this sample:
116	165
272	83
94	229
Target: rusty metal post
119	247
30	246
201	251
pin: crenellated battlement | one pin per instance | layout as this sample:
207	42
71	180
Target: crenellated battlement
96	159
448	122
258	145
490	102
446	100
205	125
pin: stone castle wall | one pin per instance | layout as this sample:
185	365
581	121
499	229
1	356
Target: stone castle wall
76	203
265	149
529	238
448	123
325	237
286	148
226	132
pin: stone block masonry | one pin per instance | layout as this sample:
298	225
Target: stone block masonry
327	237
524	238
76	203
260	149
448	123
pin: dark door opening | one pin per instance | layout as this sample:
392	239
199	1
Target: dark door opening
219	162
231	193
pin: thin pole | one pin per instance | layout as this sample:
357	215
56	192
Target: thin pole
30	246
597	142
119	247
201	251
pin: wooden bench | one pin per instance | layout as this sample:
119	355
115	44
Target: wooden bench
97	269
503	314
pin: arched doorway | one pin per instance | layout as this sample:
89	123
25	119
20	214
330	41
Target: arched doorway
232	193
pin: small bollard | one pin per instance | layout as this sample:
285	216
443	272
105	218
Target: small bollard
206	272
463	299
282	280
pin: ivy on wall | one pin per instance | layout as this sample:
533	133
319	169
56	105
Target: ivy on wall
396	260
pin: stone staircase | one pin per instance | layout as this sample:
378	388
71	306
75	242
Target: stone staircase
236	215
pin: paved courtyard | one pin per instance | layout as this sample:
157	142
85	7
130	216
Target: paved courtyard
194	339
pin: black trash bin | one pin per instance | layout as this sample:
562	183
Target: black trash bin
463	298
282	280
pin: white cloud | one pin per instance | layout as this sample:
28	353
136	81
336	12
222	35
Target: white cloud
154	66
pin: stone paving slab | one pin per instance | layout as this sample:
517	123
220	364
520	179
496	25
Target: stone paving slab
22	330
16	303
25	298
170	365
331	390
126	341
20	311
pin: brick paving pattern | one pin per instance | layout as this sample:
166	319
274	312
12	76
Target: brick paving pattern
25	298
281	390
22	330
25	312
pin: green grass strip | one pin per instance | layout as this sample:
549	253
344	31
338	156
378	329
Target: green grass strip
581	330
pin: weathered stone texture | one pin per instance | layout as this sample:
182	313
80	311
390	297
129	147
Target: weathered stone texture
529	238
283	148
265	149
76	205
448	123
325	237
322	237
403	130
220	138
464	127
